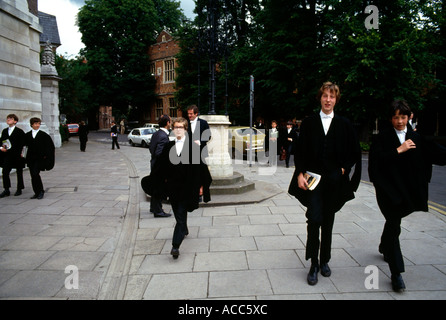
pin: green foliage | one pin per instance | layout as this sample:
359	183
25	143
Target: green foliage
365	146
292	47
117	34
75	93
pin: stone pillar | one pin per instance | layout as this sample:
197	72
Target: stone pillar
50	95
219	160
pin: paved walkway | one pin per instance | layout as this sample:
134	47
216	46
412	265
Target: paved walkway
94	219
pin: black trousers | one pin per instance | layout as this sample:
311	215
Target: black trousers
180	212
289	150
390	242
390	245
7	180
155	205
83	144
36	180
115	142
319	218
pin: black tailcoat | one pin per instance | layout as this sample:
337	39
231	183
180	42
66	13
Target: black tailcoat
40	149
345	153
401	180
285	143
176	177
13	157
159	140
203	134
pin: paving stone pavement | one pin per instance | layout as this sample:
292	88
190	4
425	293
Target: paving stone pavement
92	237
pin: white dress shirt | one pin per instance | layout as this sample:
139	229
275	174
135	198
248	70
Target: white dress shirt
193	124
11	130
179	144
401	135
326	120
34	132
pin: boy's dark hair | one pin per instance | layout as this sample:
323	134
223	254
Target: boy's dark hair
34	120
13	116
164	119
194	108
401	106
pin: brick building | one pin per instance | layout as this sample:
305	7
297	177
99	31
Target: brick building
162	55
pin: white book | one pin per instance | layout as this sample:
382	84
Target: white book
6	144
313	179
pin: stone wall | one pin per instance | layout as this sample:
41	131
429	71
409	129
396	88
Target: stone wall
20	87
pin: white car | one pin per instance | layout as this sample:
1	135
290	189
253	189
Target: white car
141	136
152	125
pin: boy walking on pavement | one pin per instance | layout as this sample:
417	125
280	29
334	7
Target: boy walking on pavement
12	141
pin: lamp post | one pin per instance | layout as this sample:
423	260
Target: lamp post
212	43
212	20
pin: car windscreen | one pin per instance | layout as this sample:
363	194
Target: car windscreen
148	131
246	131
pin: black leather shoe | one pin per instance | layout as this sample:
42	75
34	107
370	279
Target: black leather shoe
162	215
398	283
40	195
325	270
312	275
5	193
18	193
175	253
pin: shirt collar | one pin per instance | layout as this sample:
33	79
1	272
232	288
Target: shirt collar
326	116
404	131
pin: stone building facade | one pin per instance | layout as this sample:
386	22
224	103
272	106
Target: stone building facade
27	87
162	55
20	87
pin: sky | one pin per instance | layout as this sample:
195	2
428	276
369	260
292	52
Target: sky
66	11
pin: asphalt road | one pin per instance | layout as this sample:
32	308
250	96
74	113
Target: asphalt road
437	187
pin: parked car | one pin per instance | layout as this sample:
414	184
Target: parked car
141	136
152	125
130	125
73	128
239	139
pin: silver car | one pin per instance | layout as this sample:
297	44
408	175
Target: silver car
141	136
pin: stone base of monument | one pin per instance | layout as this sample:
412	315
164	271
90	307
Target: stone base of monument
242	192
236	190
235	184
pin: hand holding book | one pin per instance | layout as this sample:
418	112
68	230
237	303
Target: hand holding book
309	180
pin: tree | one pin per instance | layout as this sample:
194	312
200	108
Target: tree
235	33
74	92
377	66
117	34
293	46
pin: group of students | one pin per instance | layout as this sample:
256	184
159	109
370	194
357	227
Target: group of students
282	142
400	167
34	148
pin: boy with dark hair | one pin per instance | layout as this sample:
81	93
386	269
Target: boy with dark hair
40	155
395	152
12	141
